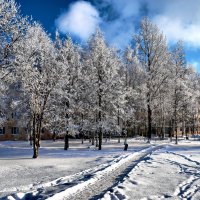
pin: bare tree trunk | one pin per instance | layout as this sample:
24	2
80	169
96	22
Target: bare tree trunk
40	118
35	150
193	131
163	130
35	146
125	139
31	136
149	112
90	136
93	138
171	129
175	117
176	135
66	138
119	139
66	141
54	136
183	128
96	139
82	141
100	119
118	122
100	138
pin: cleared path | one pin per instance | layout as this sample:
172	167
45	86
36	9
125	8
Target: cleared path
103	181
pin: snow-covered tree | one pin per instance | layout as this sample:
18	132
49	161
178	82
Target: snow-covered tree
12	30
39	74
102	69
154	57
66	103
177	81
135	76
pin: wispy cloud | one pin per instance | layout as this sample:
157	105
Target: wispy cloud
178	19
81	20
119	20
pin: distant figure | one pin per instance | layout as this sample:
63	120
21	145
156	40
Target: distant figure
125	147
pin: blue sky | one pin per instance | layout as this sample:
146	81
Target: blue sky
119	19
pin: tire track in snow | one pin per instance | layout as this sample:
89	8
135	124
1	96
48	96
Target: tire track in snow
185	157
101	182
187	189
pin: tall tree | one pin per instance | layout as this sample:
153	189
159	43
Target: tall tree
39	74
69	59
12	29
177	82
102	67
154	57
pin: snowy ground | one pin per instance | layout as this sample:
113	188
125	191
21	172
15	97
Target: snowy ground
158	171
172	172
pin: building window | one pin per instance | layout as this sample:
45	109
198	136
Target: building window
15	130
14	115
2	131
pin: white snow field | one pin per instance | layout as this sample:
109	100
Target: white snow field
160	170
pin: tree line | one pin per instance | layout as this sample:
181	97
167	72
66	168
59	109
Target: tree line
95	89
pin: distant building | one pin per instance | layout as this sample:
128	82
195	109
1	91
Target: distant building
15	125
12	129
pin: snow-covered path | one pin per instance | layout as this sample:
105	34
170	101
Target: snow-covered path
172	172
88	184
104	180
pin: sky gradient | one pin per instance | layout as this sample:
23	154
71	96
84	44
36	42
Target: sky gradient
119	19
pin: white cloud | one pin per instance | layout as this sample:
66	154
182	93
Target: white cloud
81	20
179	20
175	30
